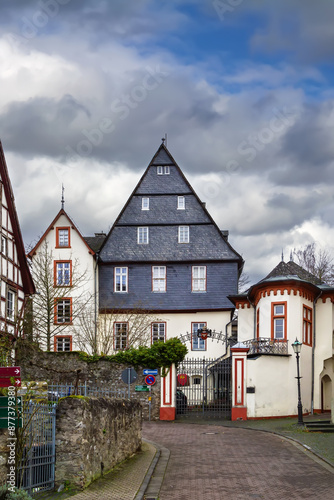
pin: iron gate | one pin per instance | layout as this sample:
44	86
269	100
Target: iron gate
36	470
204	388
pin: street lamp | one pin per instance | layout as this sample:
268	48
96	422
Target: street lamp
297	348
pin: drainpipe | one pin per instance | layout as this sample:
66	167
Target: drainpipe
254	321
313	349
95	304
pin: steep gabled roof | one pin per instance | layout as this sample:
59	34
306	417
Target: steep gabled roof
28	284
60	213
206	241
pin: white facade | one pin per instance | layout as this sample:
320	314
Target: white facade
74	280
270	318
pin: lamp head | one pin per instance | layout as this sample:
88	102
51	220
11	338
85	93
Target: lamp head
297	346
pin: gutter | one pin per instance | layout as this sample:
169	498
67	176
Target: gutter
95	303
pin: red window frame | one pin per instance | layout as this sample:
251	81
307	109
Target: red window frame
307	325
278	316
127	335
158	323
56	273
57	237
62	337
56	322
258	323
204	323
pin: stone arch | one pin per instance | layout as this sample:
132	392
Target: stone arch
326	393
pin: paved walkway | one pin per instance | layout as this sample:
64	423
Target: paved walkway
216	463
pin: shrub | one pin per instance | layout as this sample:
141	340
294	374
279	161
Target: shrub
5	494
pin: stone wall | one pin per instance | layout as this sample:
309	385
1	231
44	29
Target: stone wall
67	367
93	435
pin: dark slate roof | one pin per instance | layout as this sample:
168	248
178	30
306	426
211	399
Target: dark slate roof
291	270
163	218
95	242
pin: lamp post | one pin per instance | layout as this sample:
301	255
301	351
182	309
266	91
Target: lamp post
297	348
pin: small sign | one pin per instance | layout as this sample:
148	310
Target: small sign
183	379
150	380
142	388
11	411
10	371
129	375
7	382
147	371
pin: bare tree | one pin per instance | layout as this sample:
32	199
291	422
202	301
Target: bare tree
114	330
243	282
55	306
317	261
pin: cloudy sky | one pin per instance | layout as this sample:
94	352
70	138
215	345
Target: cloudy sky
243	89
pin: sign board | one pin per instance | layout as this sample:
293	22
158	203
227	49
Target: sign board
129	375
147	371
142	388
150	380
10	371
12	411
8	382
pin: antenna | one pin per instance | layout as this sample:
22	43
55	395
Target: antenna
62	196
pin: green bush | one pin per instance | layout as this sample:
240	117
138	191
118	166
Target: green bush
5	494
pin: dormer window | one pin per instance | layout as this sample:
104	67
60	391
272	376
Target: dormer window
145	204
163	170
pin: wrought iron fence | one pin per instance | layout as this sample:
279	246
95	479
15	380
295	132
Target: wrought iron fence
36	468
56	391
263	345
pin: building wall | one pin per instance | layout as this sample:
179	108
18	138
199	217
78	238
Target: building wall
11	279
221	281
83	263
324	347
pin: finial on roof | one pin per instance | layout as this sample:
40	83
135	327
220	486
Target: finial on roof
282	255
62	196
291	256
164	140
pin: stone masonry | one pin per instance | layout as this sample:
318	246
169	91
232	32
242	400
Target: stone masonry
93	435
67	367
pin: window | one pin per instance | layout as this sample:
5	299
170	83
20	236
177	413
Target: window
145	204
258	323
163	170
183	234
197	344
121	279
197	380
11	296
198	279
120	336
62	237
278	326
142	235
181	203
307	325
3	245
158	278
63	273
63	311
63	344
158	332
